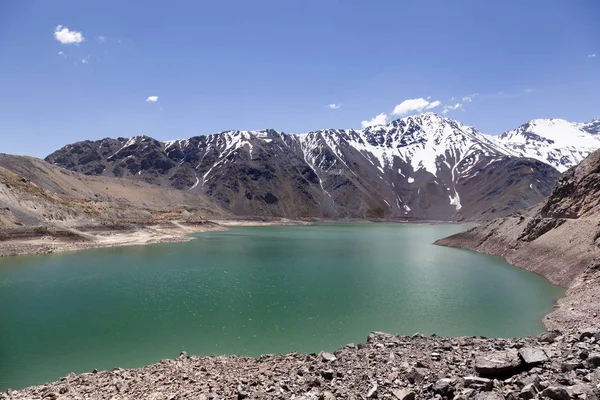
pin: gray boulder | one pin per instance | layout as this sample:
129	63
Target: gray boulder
594	359
477	382
533	356
528	392
403	394
488	396
499	363
556	393
444	388
328	357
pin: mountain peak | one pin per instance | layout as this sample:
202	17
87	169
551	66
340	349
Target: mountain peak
555	141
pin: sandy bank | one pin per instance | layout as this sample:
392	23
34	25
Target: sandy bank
41	240
53	240
259	221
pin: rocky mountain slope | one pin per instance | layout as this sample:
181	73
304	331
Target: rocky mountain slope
558	239
550	366
34	192
557	142
424	166
45	208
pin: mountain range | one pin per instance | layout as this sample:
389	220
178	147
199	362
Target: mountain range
420	167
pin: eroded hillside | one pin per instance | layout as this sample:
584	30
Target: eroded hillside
44	207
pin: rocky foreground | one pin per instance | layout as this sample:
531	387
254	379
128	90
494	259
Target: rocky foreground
549	366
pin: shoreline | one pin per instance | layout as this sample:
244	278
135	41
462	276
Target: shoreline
399	367
102	237
58	239
570	264
386	366
178	232
71	239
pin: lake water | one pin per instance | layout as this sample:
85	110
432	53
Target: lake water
251	291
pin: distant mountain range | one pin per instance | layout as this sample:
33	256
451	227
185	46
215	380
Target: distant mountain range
422	167
557	142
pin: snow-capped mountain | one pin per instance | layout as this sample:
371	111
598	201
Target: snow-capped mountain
423	166
557	142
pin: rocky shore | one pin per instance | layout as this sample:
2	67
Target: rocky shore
44	240
553	365
53	239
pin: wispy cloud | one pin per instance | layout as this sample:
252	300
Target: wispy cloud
433	104
529	90
447	109
335	106
380	119
151	99
101	39
66	36
593	55
62	54
412	105
85	60
469	98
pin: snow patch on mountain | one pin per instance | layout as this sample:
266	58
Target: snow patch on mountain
557	142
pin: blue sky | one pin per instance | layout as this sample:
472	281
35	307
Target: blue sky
218	65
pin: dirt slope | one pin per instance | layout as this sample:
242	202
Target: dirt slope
44	208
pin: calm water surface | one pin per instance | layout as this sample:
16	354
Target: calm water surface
251	291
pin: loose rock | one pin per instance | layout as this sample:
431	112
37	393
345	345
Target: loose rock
359	372
556	393
497	363
533	356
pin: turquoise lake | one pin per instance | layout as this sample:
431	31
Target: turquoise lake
251	291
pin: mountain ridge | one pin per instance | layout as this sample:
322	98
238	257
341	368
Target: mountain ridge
415	167
558	142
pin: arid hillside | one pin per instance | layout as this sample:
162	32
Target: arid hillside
44	208
34	192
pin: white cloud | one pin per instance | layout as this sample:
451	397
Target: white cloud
470	97
101	39
381	119
62	54
447	109
334	106
85	60
65	36
433	104
593	55
412	105
152	99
